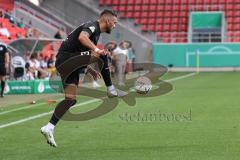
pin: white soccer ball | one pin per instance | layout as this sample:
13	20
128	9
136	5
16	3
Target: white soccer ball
143	85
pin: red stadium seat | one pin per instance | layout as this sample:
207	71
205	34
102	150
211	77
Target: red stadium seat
108	2
167	20
137	20
159	20
153	8
161	2
229	13
101	2
122	2
230	27
167	28
230	20
177	2
168	14
161	8
154	2
146	2
160	28
138	1
123	15
175	20
137	14
152	28
145	7
214	1
131	2
229	7
222	1
144	21
184	7
176	8
130	8
138	8
207	2
186	1
168	7
123	8
153	14
144	28
237	20
176	14
152	21
184	20
145	14
130	14
174	27
237	7
231	1
116	8
160	14
117	2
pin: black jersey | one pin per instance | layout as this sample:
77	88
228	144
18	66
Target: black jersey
72	46
3	51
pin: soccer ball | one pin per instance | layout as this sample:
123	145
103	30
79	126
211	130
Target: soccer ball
143	85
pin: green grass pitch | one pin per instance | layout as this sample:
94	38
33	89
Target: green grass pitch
210	129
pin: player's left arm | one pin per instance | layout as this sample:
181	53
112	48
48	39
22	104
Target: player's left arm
85	40
7	60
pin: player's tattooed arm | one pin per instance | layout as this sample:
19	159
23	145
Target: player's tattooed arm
85	33
84	39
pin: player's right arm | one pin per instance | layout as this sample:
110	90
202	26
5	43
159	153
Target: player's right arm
84	40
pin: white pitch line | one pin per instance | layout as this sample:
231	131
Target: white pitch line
43	114
80	104
22	108
180	77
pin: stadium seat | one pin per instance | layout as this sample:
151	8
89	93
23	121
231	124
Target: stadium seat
123	8
137	20
130	14
130	8
145	14
152	14
131	2
117	2
152	21
159	20
152	28
121	2
137	14
154	2
144	21
139	2
144	28
153	8
109	2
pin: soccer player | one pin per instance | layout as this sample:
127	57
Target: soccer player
4	66
79	42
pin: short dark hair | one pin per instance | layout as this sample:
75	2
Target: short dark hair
108	11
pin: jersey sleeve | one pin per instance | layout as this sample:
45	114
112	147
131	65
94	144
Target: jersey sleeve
89	28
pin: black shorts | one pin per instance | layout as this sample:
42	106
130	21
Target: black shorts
69	68
3	71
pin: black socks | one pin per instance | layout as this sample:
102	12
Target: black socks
3	83
61	109
105	71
